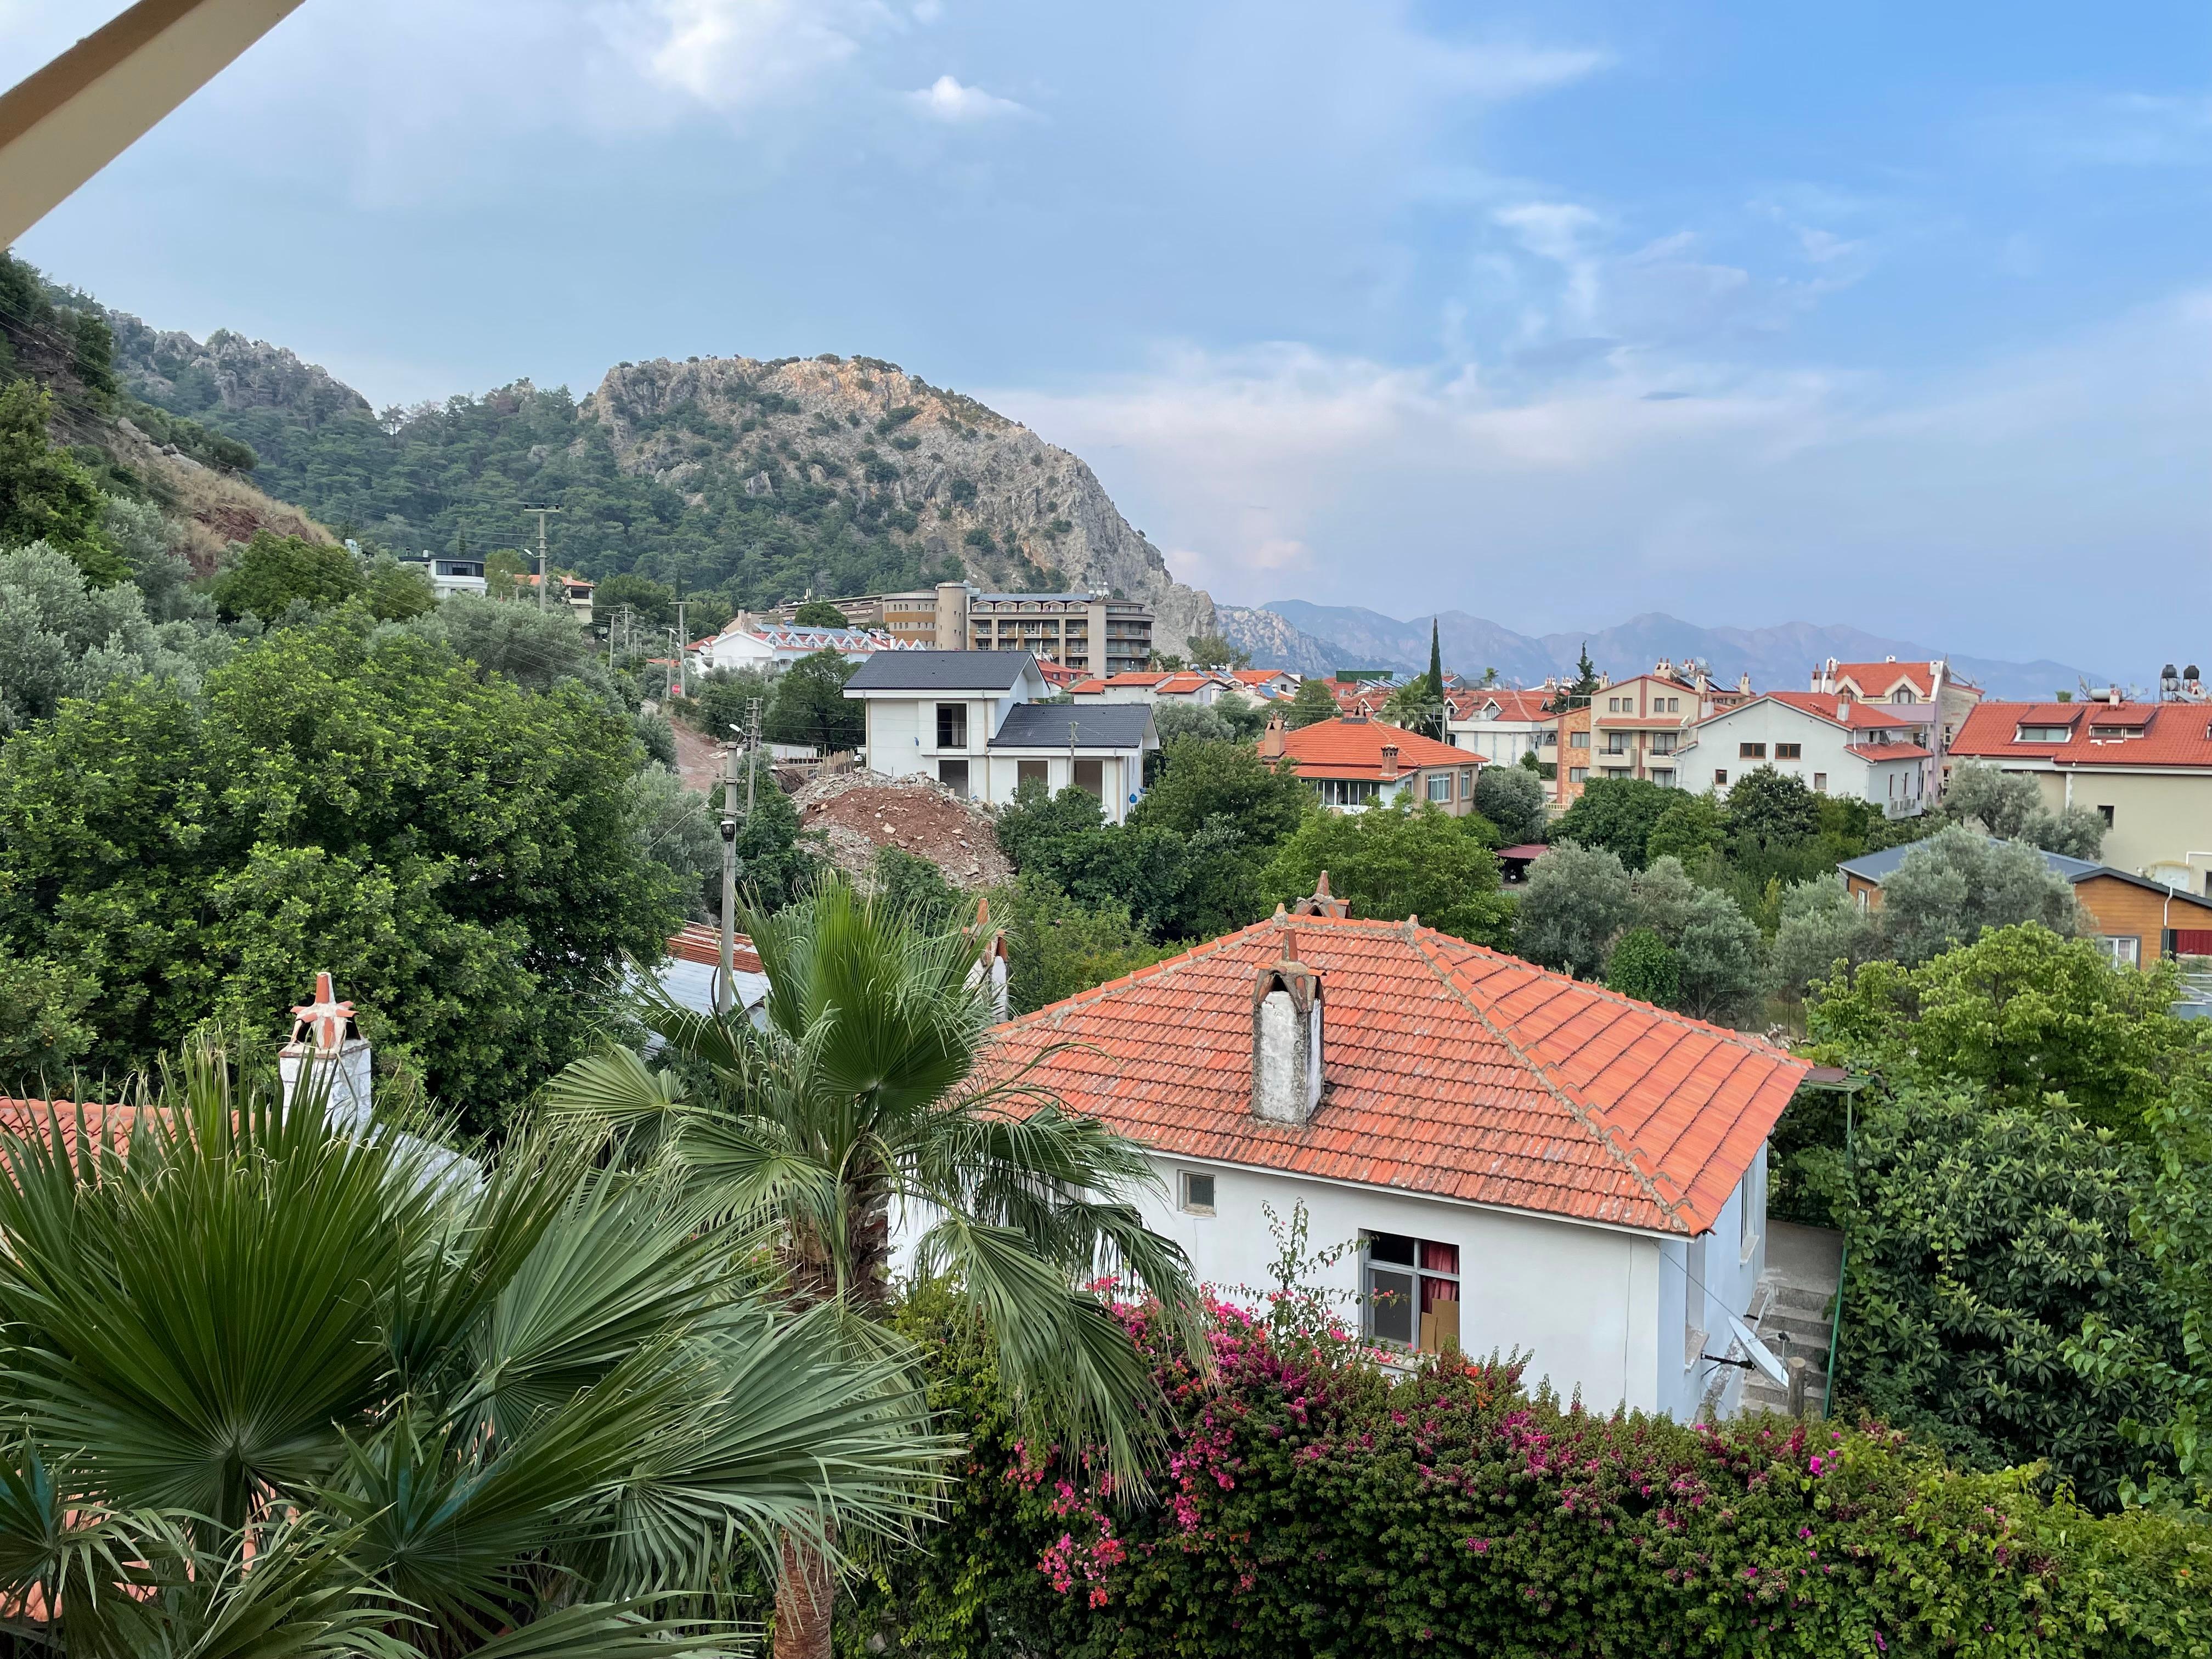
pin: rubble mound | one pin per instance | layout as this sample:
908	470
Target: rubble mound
855	813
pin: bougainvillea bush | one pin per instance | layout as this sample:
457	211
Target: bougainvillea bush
1314	1505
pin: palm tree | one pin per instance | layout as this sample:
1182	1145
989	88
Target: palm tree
280	1388
864	1102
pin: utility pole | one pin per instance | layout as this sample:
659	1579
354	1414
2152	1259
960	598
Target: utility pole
752	750
674	659
725	988
683	644
542	582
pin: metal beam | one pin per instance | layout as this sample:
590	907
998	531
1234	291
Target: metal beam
65	122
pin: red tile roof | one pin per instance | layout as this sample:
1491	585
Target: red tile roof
1089	688
1879	679
2173	733
1888	751
1138	677
1178	685
1055	674
701	944
30	1119
1353	748
1447	1070
1512	705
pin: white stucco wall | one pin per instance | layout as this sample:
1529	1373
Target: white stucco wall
1121	773
1718	742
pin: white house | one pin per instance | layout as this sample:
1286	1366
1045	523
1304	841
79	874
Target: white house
1523	1160
772	646
972	720
1875	753
1501	724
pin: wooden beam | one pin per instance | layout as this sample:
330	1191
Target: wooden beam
65	122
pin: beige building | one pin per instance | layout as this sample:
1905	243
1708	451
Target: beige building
1095	633
2145	768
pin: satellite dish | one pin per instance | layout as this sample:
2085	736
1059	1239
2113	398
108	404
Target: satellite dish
1760	1354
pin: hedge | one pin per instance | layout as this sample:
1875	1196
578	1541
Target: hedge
1313	1505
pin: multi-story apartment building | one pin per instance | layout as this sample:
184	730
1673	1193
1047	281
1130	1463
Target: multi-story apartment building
1096	633
1905	685
1503	725
1636	724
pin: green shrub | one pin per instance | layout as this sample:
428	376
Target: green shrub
1643	966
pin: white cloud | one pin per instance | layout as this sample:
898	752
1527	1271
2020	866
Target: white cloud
730	54
1664	482
946	99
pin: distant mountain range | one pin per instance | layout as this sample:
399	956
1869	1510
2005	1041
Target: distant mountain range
1320	638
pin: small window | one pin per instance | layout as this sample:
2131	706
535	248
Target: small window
1577	740
953	774
1197	1192
952	726
1720	774
1578	775
1751	751
1440	786
1030	771
1663	776
2106	812
1091	778
1411	1291
2125	951
1819	783
1467	786
1747	1207
1789	751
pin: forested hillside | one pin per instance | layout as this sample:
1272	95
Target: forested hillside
747	481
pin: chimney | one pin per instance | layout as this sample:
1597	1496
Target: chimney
1389	762
1286	1038
1271	740
323	1055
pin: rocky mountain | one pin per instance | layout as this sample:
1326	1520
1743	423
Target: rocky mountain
1015	510
1293	634
227	371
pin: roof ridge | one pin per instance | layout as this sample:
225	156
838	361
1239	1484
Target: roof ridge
1581	1112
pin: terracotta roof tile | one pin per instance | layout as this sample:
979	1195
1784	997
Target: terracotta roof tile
699	943
1448	1069
1342	748
2172	733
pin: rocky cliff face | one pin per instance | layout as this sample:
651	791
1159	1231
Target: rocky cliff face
1017	511
226	371
1275	642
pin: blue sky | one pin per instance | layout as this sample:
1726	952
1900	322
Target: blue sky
1893	315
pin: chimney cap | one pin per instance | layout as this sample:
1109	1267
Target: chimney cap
1321	901
325	1019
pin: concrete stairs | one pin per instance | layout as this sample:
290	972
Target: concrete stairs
1793	1310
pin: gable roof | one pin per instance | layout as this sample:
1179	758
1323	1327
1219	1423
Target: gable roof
1511	704
1879	679
1097	726
1447	1070
1353	748
1875	868
2172	733
942	670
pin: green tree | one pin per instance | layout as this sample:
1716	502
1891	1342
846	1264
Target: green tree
1617	814
1313	703
374	1401
2021	1015
1981	1236
681	836
721	701
45	493
1436	664
1202	780
819	613
1723	965
45	1023
1056	948
1691	827
273	572
536	649
776	865
396	592
918	890
1645	966
1576	692
1953	885
1575	904
1391	862
1822	925
469	855
652	604
2009	805
1211	651
61	637
811	706
1512	798
865	1092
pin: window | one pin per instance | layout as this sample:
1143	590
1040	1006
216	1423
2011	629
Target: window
1548	738
1346	792
1619	742
1693	1300
1578	775
1577	740
1674	705
1197	1192
1903	694
1663	776
1751	751
1789	751
1663	743
1030	771
952	726
1091	778
1411	1291
1467	785
2106	812
1751	1203
953	774
1819	783
1440	786
2125	951
1614	771
1720	776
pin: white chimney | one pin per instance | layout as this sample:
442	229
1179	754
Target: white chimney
1286	1038
322	1053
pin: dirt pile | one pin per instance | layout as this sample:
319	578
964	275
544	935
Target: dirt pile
857	812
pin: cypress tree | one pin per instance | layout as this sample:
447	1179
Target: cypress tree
1436	665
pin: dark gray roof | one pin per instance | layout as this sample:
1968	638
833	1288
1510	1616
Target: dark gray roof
1877	867
941	670
1097	726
